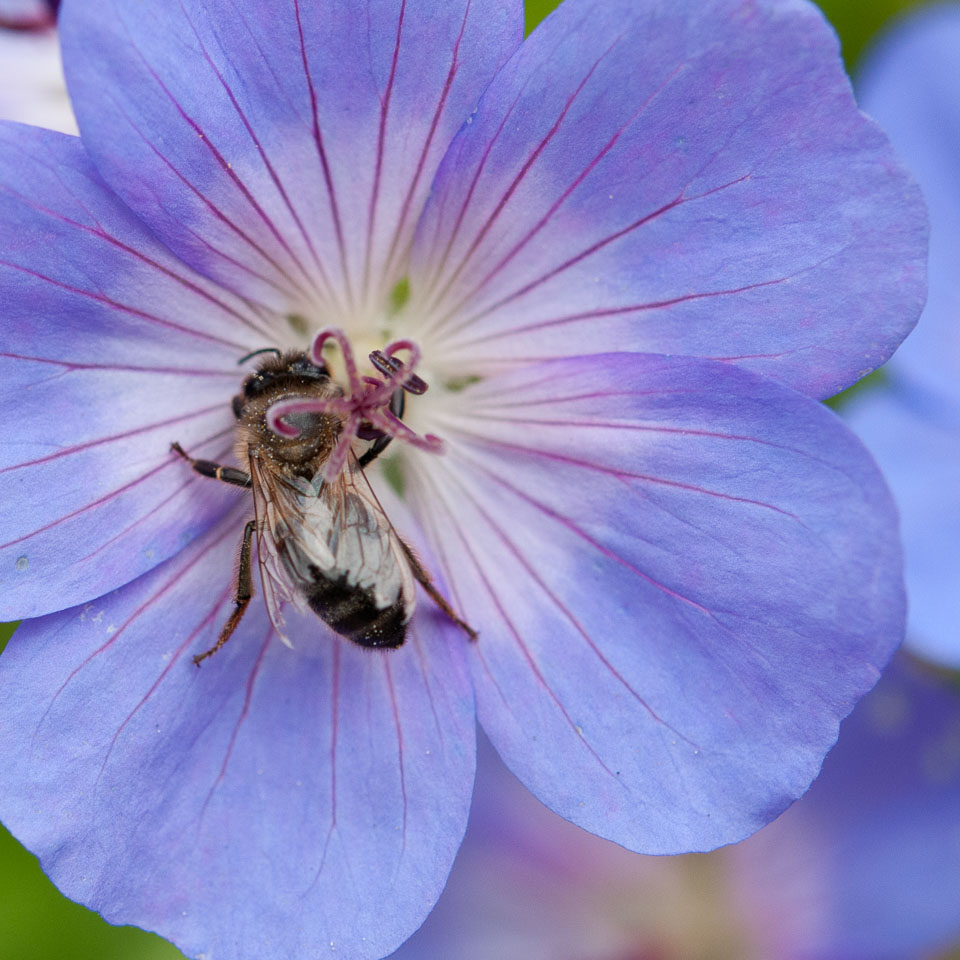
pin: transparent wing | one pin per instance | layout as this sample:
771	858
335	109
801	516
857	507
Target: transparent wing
271	502
335	531
366	549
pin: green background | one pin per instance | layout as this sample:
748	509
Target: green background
36	922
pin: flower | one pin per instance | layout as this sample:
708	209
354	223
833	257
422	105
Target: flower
27	15
662	233
867	864
912	422
31	78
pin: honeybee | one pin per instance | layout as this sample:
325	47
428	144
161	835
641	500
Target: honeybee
322	545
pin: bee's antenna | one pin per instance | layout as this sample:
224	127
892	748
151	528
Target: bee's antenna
256	353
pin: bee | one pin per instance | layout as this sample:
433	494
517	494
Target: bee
324	546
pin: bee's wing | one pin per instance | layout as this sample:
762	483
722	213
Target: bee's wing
274	501
334	531
366	550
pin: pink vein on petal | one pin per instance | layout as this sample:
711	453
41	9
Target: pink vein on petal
642	428
381	136
334	740
322	153
189	482
457	224
334	730
533	284
582	534
169	666
400	747
515	401
69	451
521	175
246	268
271	170
578	531
408	199
222	162
567	613
759	356
245	710
169	585
170	461
116	305
518	639
620	311
628	474
491	676
422	660
558	203
429	523
583	255
101	232
218	213
70	366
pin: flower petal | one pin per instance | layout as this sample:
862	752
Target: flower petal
110	349
912	426
676	177
288	146
683	576
867	865
272	804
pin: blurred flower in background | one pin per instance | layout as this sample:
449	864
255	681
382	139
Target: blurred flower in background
865	867
32	89
911	419
26	16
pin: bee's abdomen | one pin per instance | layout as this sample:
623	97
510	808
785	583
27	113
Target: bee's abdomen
353	614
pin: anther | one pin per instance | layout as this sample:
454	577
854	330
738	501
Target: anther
389	365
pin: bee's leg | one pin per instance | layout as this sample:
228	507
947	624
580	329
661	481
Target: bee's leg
397	406
418	571
242	598
207	468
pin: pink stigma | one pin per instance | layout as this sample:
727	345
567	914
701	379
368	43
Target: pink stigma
365	410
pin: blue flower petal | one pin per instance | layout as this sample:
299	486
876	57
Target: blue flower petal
912	85
683	576
867	865
676	177
288	146
272	804
110	349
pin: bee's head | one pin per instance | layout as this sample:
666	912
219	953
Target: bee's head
281	367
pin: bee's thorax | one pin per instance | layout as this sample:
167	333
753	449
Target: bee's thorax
289	377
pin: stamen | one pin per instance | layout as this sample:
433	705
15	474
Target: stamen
389	365
365	410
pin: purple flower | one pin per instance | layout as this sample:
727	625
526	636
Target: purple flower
663	231
866	866
912	85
